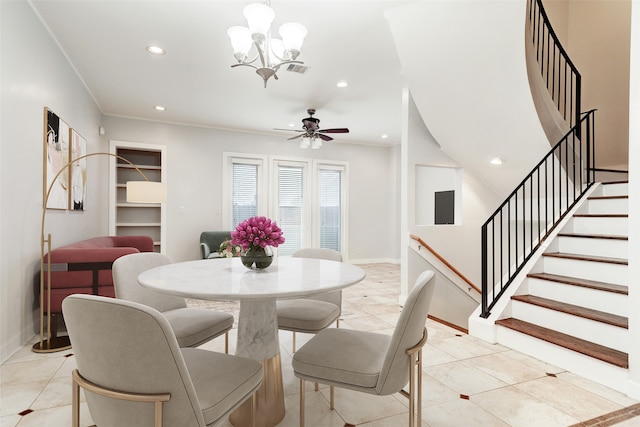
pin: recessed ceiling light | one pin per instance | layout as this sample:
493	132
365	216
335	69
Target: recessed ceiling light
160	108
384	136
497	160
156	50
292	125
342	84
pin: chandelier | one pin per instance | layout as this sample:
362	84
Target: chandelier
272	52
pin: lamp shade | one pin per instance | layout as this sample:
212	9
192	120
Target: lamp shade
293	35
259	17
240	39
146	192
305	142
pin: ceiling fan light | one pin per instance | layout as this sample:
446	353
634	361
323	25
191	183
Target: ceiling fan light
293	35
259	17
305	142
240	41
316	143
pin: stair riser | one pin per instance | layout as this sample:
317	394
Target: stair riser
615	189
598	271
593	247
595	299
586	329
585	366
606	206
604	225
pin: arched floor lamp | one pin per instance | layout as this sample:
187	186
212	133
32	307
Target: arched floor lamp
137	192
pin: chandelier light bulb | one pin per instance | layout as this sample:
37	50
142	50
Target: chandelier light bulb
293	35
259	17
240	41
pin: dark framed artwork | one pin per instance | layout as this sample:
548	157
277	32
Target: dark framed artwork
56	157
78	172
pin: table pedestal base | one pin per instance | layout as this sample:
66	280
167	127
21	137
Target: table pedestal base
269	399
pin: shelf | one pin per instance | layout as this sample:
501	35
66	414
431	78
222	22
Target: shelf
138	224
145	167
138	205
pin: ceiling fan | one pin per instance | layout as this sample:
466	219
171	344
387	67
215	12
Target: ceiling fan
311	131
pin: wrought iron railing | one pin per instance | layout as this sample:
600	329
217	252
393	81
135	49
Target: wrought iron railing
561	76
517	228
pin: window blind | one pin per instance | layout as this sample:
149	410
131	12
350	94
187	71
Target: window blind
245	192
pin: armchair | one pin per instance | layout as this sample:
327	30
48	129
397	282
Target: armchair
210	243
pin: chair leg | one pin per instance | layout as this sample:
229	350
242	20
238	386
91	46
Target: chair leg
420	388
317	387
75	404
294	341
301	402
254	409
158	413
412	389
226	342
331	398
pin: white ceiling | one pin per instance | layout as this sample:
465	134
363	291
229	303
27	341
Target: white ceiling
105	42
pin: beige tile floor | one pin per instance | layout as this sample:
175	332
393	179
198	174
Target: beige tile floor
467	382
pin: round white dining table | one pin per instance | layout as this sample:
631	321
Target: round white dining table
227	279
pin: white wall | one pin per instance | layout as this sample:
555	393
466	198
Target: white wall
194	181
35	74
478	203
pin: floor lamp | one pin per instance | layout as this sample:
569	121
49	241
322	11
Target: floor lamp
137	191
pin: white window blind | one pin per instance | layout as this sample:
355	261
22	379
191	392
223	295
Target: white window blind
290	207
245	192
330	209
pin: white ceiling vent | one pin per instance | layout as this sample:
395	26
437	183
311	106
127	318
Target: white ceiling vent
297	68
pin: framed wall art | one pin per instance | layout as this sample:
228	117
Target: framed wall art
78	172
56	157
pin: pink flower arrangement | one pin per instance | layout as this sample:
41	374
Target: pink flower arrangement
257	231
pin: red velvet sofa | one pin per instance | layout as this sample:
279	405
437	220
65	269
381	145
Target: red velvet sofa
85	267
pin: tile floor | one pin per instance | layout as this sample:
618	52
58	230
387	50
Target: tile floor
467	382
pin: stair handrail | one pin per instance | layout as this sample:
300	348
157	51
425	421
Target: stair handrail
572	159
445	262
556	68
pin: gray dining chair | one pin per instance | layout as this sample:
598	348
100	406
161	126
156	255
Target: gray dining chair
372	362
314	313
134	373
192	326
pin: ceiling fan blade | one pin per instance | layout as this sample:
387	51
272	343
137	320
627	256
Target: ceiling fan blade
336	130
324	137
297	136
289	130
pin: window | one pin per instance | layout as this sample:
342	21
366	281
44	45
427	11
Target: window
244	194
306	197
330	192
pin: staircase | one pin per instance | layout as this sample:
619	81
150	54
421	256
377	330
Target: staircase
571	310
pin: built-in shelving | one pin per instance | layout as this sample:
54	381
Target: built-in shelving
129	219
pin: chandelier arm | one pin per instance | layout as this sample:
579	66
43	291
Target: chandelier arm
39	347
244	65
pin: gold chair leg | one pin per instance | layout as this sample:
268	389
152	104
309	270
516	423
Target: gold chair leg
158	413
301	402
226	342
317	387
75	404
412	390
294	341
420	388
254	409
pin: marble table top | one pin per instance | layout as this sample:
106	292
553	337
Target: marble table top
228	279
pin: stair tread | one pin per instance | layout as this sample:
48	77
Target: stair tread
594	236
597	351
606	197
585	283
592	258
592	215
575	310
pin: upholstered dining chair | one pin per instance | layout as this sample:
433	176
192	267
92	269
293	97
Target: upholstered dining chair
192	326
372	362
314	313
135	374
